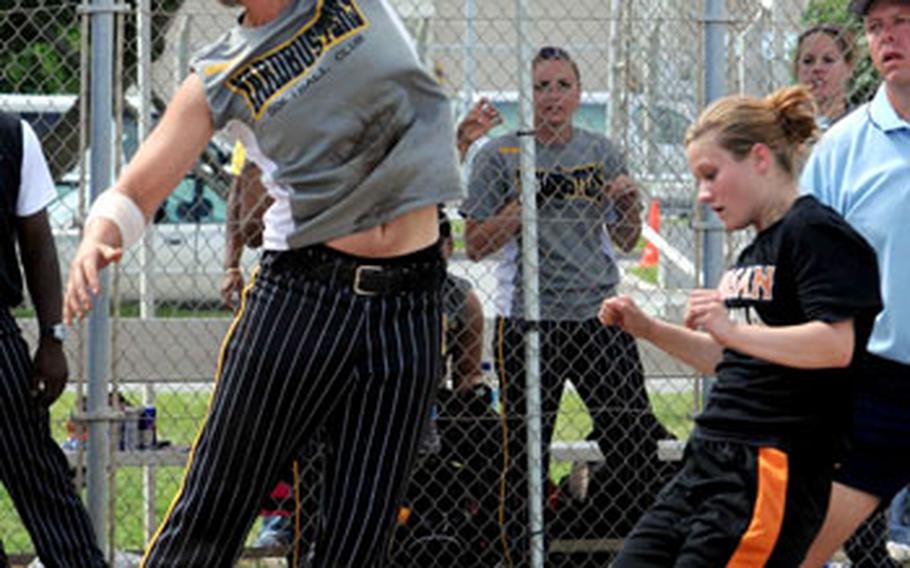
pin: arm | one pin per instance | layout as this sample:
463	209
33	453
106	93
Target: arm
482	117
694	348
486	236
232	282
812	345
623	192
159	165
42	276
467	352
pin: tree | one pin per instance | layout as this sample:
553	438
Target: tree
42	43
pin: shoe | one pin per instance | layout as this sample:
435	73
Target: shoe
898	550
276	531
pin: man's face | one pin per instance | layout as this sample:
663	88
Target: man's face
557	93
887	26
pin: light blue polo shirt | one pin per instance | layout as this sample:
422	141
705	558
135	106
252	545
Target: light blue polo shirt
861	168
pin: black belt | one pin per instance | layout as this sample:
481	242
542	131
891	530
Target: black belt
361	276
378	279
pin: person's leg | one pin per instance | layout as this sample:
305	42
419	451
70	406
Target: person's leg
608	374
877	462
373	434
35	470
509	350
847	509
286	363
733	505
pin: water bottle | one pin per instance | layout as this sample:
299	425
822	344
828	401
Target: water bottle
129	429
148	436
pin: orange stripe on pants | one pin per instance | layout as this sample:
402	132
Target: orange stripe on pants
757	543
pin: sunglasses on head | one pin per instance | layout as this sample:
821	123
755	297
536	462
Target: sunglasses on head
550	52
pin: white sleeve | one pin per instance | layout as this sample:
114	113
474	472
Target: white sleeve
36	189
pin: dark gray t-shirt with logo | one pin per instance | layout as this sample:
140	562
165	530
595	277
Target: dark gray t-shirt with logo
333	104
577	265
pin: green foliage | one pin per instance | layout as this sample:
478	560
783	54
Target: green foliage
42	43
645	273
865	77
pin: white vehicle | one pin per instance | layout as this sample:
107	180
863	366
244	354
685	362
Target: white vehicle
187	238
187	243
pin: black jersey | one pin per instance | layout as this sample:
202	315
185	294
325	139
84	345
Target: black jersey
810	265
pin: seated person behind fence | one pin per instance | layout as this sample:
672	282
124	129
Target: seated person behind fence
449	512
778	332
585	201
824	62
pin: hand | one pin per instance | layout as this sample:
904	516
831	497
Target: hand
49	372
622	189
622	311
482	117
706	310
91	256
231	286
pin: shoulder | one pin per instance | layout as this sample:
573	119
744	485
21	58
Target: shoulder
840	136
590	138
585	141
811	220
505	145
808	210
9	121
213	56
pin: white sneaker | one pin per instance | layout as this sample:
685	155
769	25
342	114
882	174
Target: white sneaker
898	550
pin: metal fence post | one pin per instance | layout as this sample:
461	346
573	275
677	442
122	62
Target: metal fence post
530	266
98	358
710	229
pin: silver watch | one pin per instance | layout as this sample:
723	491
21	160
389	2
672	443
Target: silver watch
56	332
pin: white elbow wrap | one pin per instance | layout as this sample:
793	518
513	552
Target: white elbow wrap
123	211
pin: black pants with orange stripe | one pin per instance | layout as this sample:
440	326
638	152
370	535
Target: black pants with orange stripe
604	366
733	505
33	467
305	353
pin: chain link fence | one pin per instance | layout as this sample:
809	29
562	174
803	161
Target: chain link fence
614	413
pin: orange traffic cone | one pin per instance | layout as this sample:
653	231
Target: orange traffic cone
650	255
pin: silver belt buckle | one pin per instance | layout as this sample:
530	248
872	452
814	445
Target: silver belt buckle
358	273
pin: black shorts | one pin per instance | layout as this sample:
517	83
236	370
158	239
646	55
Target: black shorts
877	460
732	504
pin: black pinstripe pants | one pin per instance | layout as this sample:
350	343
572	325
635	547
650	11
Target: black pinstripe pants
34	469
304	353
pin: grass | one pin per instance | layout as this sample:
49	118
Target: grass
180	415
574	422
645	273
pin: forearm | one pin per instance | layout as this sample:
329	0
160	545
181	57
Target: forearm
484	237
813	345
694	348
42	273
233	248
626	232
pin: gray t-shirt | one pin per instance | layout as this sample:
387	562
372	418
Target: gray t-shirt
577	267
333	104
